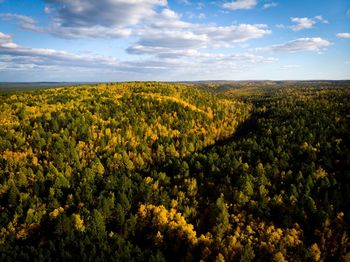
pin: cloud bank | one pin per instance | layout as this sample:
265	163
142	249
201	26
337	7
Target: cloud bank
21	58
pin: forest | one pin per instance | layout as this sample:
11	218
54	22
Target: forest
153	171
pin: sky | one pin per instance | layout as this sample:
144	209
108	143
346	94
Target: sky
173	40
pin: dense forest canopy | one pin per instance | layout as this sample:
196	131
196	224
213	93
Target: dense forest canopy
149	171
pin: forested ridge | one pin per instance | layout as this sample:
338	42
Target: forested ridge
149	171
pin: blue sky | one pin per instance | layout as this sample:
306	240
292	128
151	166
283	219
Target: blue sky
123	40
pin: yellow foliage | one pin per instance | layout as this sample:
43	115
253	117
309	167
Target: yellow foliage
78	223
174	203
6	116
159	238
320	173
220	258
174	99
305	146
206	239
108	132
148	180
315	252
15	155
340	216
249	229
161	215
56	212
279	257
35	161
24	230
169	223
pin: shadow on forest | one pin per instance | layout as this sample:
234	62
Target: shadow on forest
243	129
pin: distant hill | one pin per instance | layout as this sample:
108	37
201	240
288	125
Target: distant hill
24	86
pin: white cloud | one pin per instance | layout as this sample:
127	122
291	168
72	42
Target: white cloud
315	44
173	63
250	58
165	20
348	13
172	39
23	21
28	23
202	65
343	35
191	15
102	19
321	19
43	56
269	5
301	23
99	19
162	51
104	12
89	32
157	41
200	57
240	4
23	18
226	35
4	38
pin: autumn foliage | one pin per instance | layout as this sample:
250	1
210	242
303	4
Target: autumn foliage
148	171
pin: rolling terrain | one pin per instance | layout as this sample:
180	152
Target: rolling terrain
150	171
